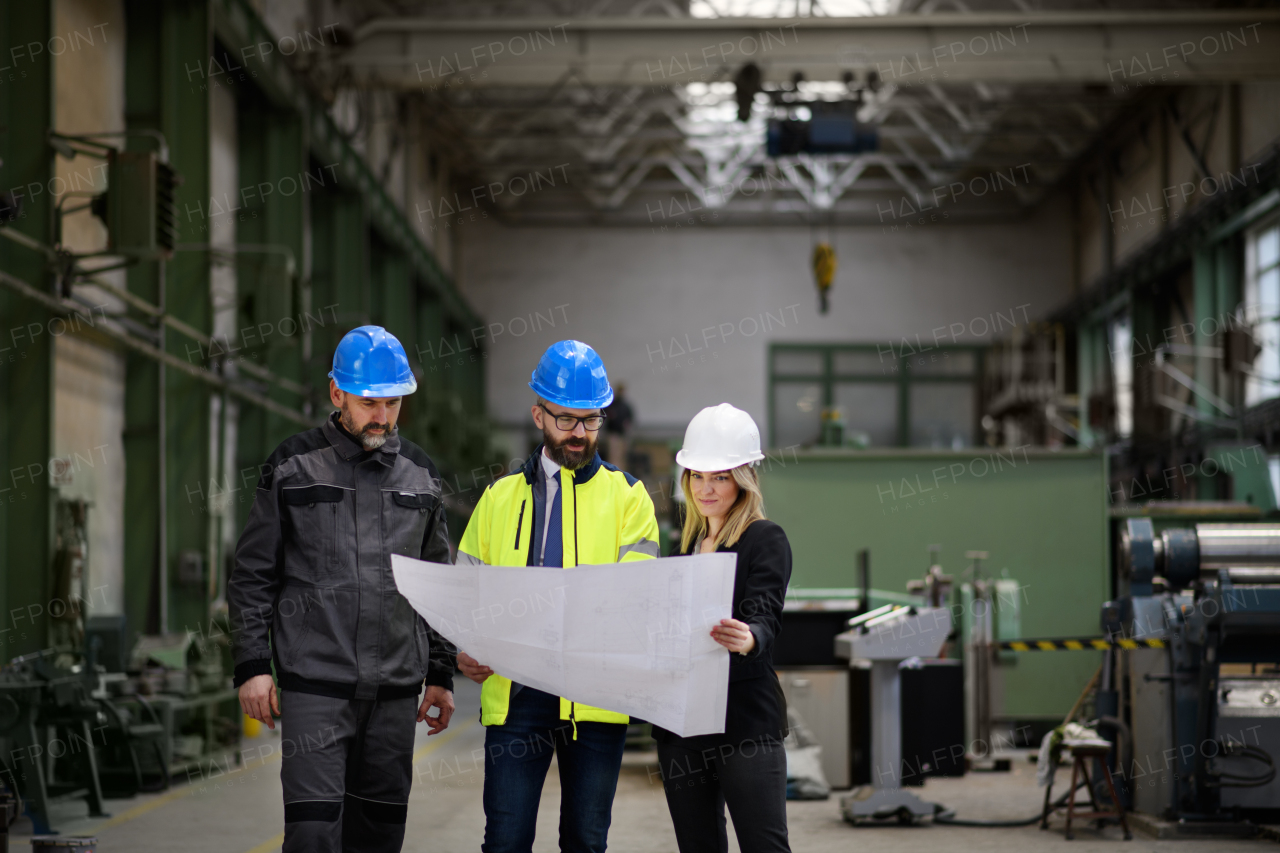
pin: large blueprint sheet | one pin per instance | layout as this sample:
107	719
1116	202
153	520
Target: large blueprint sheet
629	637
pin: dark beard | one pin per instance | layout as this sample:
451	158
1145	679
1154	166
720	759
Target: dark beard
563	456
368	442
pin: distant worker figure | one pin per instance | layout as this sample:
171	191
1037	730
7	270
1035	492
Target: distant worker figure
564	507
746	767
619	419
312	590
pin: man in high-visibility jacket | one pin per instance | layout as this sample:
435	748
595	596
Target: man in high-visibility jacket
564	507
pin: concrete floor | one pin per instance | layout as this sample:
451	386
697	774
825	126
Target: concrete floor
241	811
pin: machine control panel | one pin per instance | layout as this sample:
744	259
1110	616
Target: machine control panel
895	633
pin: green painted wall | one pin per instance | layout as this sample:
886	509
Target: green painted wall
1041	515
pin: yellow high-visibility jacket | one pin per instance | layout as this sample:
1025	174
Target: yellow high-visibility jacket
606	517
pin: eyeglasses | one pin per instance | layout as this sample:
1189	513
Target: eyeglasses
569	423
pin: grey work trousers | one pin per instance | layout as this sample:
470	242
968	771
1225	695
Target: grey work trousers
750	777
346	769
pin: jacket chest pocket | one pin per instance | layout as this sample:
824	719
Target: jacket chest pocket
316	513
406	515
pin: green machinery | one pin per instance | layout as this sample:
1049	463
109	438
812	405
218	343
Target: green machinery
1041	517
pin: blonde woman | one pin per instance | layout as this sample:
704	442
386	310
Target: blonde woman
746	767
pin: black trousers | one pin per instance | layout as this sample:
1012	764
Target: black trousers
749	776
346	769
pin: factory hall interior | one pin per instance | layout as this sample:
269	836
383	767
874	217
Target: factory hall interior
671	426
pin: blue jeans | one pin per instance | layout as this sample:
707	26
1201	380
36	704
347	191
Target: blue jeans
516	759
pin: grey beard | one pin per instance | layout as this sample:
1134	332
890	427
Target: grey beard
367	441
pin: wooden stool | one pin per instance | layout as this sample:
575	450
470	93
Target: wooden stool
1081	751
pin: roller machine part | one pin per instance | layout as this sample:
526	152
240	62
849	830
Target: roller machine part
1184	556
1212	593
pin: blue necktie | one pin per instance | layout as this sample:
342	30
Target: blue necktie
553	551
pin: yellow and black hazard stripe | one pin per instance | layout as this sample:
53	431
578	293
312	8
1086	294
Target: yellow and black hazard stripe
1075	645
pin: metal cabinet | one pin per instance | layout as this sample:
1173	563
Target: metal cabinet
823	696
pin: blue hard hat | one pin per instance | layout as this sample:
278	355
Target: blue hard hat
370	362
570	374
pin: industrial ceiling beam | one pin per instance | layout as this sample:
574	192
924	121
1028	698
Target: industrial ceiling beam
1116	48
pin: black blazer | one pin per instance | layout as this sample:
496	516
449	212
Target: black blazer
756	705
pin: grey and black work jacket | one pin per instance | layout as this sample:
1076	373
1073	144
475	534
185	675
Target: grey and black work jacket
312	585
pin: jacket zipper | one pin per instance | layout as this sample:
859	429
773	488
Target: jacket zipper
520	525
573	706
333	539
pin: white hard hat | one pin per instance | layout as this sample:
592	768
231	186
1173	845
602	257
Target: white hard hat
719	438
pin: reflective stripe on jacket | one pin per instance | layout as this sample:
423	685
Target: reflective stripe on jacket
606	517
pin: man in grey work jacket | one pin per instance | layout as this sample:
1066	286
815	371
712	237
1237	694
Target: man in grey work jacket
312	591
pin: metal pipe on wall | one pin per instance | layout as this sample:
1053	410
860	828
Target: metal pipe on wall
145	348
196	335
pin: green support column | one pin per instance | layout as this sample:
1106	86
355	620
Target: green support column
376	297
425	355
1229	256
1204	284
351	263
141	437
323	293
392	278
397	296
26	344
339	278
347	259
167	80
273	160
473	385
1208	289
189	40
455	374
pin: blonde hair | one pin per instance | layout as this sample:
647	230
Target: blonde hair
747	508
